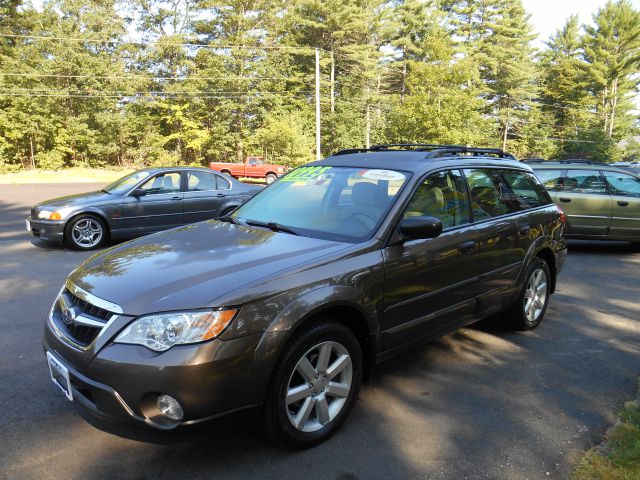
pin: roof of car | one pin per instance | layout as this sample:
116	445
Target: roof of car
576	165
420	158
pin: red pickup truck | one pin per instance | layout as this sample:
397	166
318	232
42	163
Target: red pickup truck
253	167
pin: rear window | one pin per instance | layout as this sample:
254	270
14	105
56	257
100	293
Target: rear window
528	191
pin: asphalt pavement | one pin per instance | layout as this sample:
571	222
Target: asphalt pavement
483	403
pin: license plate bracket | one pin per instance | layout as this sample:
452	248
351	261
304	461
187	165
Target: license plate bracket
60	375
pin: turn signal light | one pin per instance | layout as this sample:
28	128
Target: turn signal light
55	216
563	217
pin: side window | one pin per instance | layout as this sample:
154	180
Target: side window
584	181
529	193
442	195
201	181
490	194
551	179
622	184
222	183
163	183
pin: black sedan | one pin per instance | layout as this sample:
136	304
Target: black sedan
143	202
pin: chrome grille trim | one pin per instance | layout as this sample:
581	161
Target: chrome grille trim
92	299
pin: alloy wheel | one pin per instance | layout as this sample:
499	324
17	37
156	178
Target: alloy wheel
87	233
535	296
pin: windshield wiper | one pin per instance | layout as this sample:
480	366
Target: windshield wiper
228	219
276	227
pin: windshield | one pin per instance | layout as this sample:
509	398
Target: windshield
125	183
335	203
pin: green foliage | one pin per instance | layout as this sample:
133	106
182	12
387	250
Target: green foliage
164	82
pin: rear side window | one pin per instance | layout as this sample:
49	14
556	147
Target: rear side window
622	184
551	179
201	181
443	196
529	193
491	196
584	181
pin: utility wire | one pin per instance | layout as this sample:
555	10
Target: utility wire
142	77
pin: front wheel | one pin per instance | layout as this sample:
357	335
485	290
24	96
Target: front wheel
315	385
271	178
532	303
85	232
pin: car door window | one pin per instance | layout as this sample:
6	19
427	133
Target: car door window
491	196
162	183
529	193
442	195
551	179
222	183
201	181
622	184
584	181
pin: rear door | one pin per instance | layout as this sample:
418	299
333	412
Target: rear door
430	284
159	209
205	195
586	203
552	179
625	204
500	227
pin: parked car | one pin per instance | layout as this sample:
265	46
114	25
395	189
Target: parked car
286	306
633	167
143	202
253	167
601	202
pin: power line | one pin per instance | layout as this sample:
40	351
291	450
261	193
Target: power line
143	77
159	42
159	92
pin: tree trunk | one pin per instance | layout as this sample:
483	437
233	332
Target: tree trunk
505	135
614	103
31	154
332	81
403	88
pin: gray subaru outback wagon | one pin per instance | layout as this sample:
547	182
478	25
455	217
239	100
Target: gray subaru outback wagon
286	305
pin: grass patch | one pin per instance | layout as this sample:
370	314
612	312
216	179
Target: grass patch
68	175
619	457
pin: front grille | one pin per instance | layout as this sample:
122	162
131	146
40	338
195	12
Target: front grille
34	213
84	335
87	308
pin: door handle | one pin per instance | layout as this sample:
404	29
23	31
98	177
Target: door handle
623	204
524	230
176	198
565	200
220	195
467	247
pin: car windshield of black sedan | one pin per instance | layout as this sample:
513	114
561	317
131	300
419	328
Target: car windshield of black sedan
334	203
124	184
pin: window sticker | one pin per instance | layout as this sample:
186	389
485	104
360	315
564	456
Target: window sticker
382	175
305	174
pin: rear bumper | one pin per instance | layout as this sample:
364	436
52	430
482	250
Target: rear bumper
49	230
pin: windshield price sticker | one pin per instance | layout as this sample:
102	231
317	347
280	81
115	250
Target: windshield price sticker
304	174
382	175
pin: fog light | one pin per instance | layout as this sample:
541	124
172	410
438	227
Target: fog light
169	407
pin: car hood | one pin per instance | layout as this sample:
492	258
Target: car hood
88	198
188	267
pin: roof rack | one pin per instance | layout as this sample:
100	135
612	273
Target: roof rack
567	161
435	150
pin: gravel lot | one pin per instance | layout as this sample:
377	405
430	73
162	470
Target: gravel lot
481	403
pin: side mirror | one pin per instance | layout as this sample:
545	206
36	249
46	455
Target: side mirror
420	227
139	192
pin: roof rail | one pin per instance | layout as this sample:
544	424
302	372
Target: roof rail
435	150
567	161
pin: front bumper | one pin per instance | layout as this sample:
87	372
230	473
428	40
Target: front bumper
122	382
49	230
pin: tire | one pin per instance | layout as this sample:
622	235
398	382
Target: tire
271	177
315	413
85	232
529	310
226	172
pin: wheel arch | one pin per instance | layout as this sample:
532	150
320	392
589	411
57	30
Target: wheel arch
93	212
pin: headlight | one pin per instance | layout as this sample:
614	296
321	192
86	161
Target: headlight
162	331
280	170
49	215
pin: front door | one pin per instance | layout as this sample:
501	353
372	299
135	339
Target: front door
625	199
160	208
205	195
430	284
586	203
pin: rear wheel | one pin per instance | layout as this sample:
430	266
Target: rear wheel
271	177
85	232
532	303
315	384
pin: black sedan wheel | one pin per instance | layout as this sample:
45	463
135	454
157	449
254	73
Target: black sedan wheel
85	232
314	385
